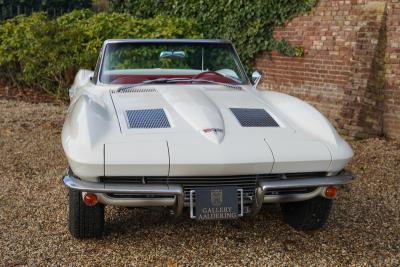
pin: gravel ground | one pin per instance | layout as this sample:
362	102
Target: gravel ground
364	227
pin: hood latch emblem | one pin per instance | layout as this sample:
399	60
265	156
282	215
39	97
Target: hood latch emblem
213	130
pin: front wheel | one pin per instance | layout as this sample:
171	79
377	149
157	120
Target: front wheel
307	215
84	221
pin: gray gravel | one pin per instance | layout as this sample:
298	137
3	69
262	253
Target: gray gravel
364	227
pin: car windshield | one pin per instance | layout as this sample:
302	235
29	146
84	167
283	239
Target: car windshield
132	63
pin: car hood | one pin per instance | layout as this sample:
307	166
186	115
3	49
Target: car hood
206	130
194	109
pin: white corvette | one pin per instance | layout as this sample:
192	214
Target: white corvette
177	124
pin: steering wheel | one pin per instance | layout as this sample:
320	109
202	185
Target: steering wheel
207	73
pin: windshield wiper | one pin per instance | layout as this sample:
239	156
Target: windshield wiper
172	80
206	81
158	80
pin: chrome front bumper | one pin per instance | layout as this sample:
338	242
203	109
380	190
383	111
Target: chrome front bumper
162	195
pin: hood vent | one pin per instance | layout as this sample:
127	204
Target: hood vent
135	90
228	87
254	117
147	118
233	86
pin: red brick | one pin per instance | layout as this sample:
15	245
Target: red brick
338	71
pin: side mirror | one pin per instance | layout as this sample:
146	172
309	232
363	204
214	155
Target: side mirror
256	77
71	93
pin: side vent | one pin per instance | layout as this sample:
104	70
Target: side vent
254	117
135	90
147	118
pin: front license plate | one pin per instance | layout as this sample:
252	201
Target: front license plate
216	203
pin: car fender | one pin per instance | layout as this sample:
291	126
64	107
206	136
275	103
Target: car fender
302	116
87	124
82	78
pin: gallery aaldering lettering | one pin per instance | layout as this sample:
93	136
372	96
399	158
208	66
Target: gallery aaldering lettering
216	203
217	213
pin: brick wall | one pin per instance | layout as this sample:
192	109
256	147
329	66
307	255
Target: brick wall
391	117
350	70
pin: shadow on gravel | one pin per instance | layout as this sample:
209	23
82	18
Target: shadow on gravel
128	221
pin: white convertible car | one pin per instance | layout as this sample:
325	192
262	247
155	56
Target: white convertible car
176	124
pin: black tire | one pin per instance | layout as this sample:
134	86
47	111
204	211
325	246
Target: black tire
84	221
307	215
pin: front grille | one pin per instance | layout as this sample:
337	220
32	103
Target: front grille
254	117
136	180
147	118
247	183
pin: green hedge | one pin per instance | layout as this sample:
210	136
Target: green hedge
43	53
249	24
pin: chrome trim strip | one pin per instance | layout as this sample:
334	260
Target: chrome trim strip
123	188
136	202
306	182
294	197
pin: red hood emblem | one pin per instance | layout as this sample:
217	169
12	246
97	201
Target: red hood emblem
213	130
